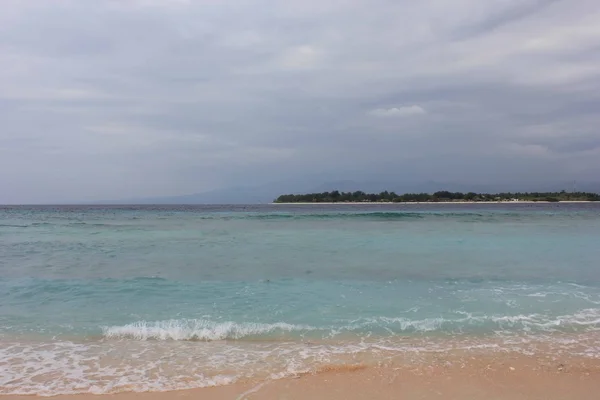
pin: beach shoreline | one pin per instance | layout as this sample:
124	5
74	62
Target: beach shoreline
498	377
434	202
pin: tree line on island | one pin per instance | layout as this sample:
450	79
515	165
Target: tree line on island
441	196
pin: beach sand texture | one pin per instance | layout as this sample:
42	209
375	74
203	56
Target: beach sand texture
507	377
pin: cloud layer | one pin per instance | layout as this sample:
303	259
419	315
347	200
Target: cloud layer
404	111
117	99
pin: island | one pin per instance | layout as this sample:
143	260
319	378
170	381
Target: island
437	197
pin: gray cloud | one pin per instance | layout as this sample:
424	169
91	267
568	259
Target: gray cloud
504	13
117	99
403	111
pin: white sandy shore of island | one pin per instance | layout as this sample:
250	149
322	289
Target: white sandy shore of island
352	203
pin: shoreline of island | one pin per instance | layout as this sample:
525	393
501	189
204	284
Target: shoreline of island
374	203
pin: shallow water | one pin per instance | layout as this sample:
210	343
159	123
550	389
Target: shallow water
105	299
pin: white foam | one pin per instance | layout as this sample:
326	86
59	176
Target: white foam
166	355
198	329
48	369
410	325
112	366
587	319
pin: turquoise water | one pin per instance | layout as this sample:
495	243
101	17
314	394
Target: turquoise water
108	299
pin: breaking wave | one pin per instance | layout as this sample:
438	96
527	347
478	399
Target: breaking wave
200	330
206	330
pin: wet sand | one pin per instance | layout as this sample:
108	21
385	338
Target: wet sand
498	377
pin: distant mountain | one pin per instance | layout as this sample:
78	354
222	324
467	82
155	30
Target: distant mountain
263	194
223	196
267	193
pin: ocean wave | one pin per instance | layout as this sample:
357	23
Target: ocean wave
206	330
199	330
463	323
587	320
77	224
338	215
387	215
33	224
266	216
373	215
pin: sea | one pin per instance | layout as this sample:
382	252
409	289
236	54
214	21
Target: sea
107	299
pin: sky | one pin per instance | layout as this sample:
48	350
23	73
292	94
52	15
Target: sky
108	99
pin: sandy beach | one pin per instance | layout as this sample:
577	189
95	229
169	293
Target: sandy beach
499	377
435	202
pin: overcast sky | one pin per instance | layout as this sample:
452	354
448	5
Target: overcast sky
114	99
